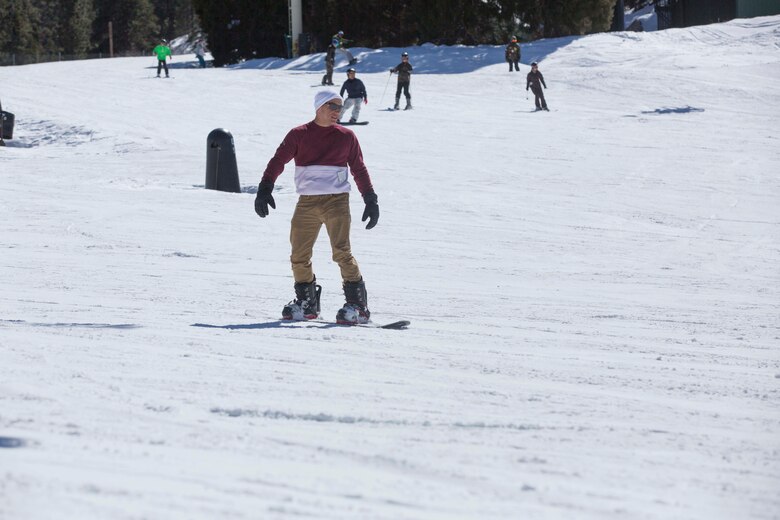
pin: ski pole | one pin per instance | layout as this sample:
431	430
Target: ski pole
385	91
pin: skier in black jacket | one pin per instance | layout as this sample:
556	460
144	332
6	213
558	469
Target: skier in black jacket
533	80
404	70
356	93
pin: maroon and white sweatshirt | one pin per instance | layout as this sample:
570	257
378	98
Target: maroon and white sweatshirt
324	157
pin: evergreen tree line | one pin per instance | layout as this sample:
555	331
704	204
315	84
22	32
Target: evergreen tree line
246	29
41	30
237	30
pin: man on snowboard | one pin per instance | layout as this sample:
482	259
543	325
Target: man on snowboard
325	153
356	94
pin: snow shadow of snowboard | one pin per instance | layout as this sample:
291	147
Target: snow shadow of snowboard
673	110
12	442
276	324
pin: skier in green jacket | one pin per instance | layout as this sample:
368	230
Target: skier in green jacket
162	51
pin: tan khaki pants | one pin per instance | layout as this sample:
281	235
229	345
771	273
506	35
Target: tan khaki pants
311	212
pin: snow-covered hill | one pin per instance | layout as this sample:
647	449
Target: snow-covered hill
594	292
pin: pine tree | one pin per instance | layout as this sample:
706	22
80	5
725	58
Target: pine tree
243	29
135	26
77	37
567	17
17	33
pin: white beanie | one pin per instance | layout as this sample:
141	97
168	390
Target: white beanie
322	97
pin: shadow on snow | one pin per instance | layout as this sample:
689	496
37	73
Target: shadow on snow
276	324
426	59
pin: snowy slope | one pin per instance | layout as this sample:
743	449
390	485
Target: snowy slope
594	291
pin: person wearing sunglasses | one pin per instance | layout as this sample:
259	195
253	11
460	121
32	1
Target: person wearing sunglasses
404	70
325	154
356	94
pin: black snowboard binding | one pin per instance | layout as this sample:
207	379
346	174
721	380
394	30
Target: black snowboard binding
306	305
355	310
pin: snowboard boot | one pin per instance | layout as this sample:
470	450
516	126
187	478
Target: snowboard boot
355	310
408	104
306	305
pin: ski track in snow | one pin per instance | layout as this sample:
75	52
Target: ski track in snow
594	291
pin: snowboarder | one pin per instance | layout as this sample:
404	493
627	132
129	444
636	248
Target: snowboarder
200	52
163	52
356	94
404	70
512	54
324	154
340	43
330	60
533	80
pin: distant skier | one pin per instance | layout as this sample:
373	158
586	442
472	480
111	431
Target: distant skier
325	154
330	60
356	94
340	43
512	54
533	80
163	52
200	53
404	70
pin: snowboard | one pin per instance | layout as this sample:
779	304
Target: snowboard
396	325
356	123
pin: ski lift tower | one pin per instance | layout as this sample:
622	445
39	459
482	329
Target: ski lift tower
295	25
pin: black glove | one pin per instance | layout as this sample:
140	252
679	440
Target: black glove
264	199
372	209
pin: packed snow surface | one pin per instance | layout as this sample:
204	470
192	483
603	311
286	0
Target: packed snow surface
594	291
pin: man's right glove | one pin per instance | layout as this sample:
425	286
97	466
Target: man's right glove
264	198
372	209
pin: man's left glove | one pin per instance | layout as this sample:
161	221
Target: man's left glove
264	199
372	209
